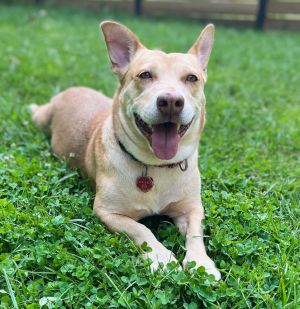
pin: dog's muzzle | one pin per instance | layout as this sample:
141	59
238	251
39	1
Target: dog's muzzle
163	137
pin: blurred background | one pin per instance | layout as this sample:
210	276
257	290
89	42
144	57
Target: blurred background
267	14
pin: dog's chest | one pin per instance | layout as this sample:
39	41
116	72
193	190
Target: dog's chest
125	197
167	188
118	184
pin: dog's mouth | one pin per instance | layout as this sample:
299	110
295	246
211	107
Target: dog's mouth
163	137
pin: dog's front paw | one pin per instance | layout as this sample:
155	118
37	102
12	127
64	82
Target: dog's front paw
160	256
204	261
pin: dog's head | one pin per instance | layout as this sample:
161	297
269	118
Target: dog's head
159	108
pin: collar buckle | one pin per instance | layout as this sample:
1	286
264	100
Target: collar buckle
183	165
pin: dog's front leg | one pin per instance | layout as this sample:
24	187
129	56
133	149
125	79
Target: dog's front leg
189	225
139	233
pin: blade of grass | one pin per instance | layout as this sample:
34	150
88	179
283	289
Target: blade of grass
10	290
117	289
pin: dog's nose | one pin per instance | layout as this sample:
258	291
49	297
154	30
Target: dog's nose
170	104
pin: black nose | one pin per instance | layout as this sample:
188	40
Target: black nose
170	104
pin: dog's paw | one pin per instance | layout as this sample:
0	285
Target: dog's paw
160	258
204	261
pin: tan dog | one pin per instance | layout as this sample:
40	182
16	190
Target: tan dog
141	147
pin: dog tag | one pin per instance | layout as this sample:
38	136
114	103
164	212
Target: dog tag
144	183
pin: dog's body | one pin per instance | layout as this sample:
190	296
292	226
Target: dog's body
150	129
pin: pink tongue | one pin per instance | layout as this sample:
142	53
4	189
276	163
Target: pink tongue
164	140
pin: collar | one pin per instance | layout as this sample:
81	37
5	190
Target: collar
183	165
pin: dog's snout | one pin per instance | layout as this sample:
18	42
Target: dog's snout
170	104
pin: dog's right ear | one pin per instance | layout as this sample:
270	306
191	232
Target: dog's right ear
121	44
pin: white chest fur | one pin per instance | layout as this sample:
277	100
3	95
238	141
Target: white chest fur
119	193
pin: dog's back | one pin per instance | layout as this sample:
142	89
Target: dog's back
68	118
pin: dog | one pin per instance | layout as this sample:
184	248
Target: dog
141	147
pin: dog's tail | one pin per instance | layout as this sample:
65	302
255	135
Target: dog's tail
42	116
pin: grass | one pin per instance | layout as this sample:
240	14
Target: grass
55	254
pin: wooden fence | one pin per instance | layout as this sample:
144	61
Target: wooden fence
268	14
283	14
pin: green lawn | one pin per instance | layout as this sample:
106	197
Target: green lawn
54	253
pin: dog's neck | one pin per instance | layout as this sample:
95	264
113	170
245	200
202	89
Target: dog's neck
183	165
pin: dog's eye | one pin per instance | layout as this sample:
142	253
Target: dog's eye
145	75
191	78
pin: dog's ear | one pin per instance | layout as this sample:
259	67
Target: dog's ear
121	44
203	46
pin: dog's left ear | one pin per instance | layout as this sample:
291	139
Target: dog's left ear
203	46
122	45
